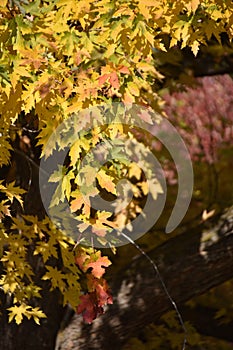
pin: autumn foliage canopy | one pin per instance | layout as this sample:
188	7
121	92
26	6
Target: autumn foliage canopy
61	57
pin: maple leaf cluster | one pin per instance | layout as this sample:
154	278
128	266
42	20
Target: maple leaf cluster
98	294
61	57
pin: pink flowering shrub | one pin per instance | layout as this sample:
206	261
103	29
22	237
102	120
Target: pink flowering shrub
203	115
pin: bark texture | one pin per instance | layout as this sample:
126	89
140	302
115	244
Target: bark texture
28	335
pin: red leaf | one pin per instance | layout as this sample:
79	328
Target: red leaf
114	81
103	294
91	304
88	307
100	286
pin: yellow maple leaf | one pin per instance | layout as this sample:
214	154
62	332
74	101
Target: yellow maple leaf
106	181
135	171
3	3
133	88
195	47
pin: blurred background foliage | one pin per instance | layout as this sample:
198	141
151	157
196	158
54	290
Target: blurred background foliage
198	100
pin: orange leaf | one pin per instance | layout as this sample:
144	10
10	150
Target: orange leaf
98	266
77	203
103	79
124	70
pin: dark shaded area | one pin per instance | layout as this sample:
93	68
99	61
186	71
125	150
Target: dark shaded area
180	67
205	322
28	335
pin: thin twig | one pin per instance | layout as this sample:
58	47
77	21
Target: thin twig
155	267
30	160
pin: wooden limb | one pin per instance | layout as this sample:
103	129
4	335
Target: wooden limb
190	264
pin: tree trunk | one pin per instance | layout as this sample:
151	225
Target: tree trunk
189	264
28	335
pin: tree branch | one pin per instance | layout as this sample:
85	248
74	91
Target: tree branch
190	264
